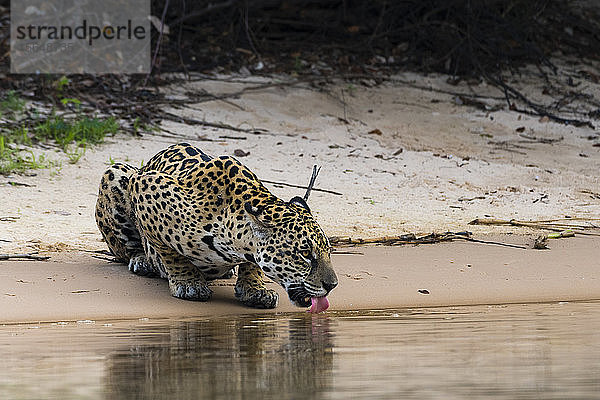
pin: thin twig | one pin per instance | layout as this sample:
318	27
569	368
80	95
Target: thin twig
185	70
301	187
248	31
158	42
109	259
22	257
220	125
538	109
313	178
515	246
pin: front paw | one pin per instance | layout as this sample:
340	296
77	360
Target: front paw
190	290
139	265
257	298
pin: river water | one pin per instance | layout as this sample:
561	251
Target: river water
534	351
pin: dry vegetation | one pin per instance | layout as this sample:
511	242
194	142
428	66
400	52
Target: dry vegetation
366	42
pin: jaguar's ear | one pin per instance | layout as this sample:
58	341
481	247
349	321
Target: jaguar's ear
299	201
258	226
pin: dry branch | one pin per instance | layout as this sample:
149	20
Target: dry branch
413	239
555	225
22	257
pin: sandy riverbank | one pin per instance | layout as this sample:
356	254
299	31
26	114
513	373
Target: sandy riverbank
375	277
405	160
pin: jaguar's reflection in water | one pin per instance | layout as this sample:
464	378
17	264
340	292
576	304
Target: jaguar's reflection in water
233	359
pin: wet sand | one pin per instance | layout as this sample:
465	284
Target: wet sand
457	273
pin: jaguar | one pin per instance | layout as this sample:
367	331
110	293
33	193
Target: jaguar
190	218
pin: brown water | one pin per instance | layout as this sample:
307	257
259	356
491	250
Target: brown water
549	351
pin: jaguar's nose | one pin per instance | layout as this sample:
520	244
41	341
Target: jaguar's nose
329	286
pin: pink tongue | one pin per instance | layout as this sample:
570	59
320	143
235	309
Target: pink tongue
319	304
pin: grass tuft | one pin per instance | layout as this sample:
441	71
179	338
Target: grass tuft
20	160
81	131
71	135
11	104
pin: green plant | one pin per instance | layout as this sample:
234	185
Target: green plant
20	160
139	126
78	132
81	130
61	83
71	135
297	64
57	168
351	89
136	125
67	101
75	155
18	135
12	104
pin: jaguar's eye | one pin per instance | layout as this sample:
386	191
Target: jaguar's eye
305	253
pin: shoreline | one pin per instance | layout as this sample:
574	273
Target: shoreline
380	277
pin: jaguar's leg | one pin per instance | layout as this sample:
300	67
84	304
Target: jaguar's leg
147	263
250	287
114	216
186	281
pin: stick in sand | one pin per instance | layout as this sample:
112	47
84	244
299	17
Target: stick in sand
22	257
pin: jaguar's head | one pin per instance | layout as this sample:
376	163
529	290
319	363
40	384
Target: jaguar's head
293	251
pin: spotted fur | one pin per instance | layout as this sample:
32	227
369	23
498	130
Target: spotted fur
191	218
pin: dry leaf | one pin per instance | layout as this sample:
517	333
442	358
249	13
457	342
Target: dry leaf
240	153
